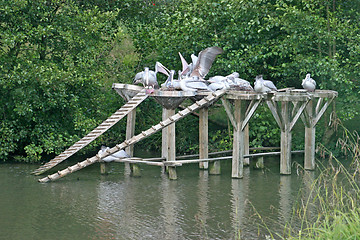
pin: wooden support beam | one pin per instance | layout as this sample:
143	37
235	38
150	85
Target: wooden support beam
227	107
238	141
285	156
130	132
203	136
274	110
250	110
297	115
246	145
170	143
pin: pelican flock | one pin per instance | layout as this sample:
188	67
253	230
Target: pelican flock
192	77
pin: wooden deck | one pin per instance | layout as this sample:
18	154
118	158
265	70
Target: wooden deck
286	106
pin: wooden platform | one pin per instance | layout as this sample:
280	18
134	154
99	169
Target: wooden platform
286	106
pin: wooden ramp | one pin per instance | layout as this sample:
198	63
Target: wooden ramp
172	119
103	127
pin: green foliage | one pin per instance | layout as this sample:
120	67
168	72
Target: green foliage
58	62
281	39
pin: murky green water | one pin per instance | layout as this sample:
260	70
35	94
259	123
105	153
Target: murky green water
87	205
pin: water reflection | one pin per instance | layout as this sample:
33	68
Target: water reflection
118	206
239	192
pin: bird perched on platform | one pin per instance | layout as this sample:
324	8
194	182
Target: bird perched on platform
308	83
117	155
171	84
263	86
192	84
218	83
200	65
147	78
241	85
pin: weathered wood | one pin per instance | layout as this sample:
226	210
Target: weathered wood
211	97
198	160
238	141
274	110
171	146
309	156
103	127
322	111
130	132
297	115
227	107
103	168
285	156
249	113
203	136
246	145
164	142
267	154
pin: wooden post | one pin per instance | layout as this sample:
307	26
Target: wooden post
285	145
164	142
246	145
169	143
203	137
130	132
238	141
309	155
103	168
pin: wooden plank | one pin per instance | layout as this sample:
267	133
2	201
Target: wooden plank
203	136
297	115
103	127
318	105
274	111
250	114
322	111
228	111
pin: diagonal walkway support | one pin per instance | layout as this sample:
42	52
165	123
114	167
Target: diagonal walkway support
286	117
172	119
103	127
245	105
310	118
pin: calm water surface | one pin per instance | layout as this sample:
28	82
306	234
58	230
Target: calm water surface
87	205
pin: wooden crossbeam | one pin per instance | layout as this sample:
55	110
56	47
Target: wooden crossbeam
211	97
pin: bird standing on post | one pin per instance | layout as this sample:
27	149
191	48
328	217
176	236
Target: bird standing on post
308	83
263	86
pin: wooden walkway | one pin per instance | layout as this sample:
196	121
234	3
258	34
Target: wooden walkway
103	127
172	119
286	106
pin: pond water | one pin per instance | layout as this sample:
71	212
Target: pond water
87	205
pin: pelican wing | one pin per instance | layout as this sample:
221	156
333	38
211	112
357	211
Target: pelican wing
194	59
205	61
270	84
161	68
197	85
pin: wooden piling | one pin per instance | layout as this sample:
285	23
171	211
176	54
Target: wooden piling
246	145
130	132
239	140
103	168
285	141
309	155
169	143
